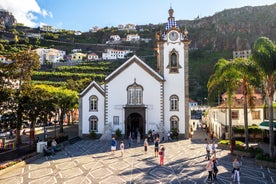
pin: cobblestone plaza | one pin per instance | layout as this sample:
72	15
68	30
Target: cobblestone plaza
90	161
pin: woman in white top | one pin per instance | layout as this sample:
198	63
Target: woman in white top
236	170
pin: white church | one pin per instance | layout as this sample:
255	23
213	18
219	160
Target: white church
136	97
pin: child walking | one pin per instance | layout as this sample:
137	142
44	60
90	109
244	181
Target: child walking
146	144
162	154
122	148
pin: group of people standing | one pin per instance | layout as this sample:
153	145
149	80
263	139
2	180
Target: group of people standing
158	149
212	164
211	167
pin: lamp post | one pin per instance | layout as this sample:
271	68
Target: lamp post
55	127
206	99
226	128
56	121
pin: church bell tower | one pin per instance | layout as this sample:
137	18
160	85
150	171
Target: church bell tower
172	63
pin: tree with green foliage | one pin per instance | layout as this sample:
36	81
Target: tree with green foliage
264	55
36	102
21	69
65	100
2	48
224	80
246	78
78	85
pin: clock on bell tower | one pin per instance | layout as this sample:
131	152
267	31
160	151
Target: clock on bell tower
172	64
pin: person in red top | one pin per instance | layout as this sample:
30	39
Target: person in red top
162	154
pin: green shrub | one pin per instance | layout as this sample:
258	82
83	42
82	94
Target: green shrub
118	133
261	156
250	149
227	142
92	135
238	129
251	129
174	133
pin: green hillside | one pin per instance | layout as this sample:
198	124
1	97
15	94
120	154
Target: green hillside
212	37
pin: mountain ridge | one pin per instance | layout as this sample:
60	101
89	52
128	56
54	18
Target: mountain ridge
232	29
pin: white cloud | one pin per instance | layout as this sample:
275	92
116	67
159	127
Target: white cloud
24	11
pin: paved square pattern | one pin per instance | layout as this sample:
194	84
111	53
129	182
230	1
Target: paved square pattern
185	162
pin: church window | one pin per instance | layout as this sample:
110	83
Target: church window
174	122
115	120
135	94
93	120
173	62
174	103
93	103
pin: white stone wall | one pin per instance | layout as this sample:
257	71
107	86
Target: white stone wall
174	85
86	113
117	96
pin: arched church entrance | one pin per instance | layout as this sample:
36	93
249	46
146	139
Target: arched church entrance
135	122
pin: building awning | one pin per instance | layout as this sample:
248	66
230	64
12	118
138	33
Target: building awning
265	125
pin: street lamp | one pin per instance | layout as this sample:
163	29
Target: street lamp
55	127
206	99
56	121
226	128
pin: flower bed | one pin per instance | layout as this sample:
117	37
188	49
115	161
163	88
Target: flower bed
225	144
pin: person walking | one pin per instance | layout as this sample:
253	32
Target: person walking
215	167
236	170
213	148
169	136
211	135
122	148
208	149
162	154
138	137
146	144
129	141
113	145
156	146
209	168
191	133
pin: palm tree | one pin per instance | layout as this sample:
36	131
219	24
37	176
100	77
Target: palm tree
264	55
247	76
224	79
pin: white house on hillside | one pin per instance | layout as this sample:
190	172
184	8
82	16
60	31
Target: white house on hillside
92	57
136	98
77	56
111	54
115	38
50	55
132	37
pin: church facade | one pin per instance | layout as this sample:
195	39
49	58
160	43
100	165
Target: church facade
136	98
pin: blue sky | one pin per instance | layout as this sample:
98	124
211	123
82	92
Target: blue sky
84	14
